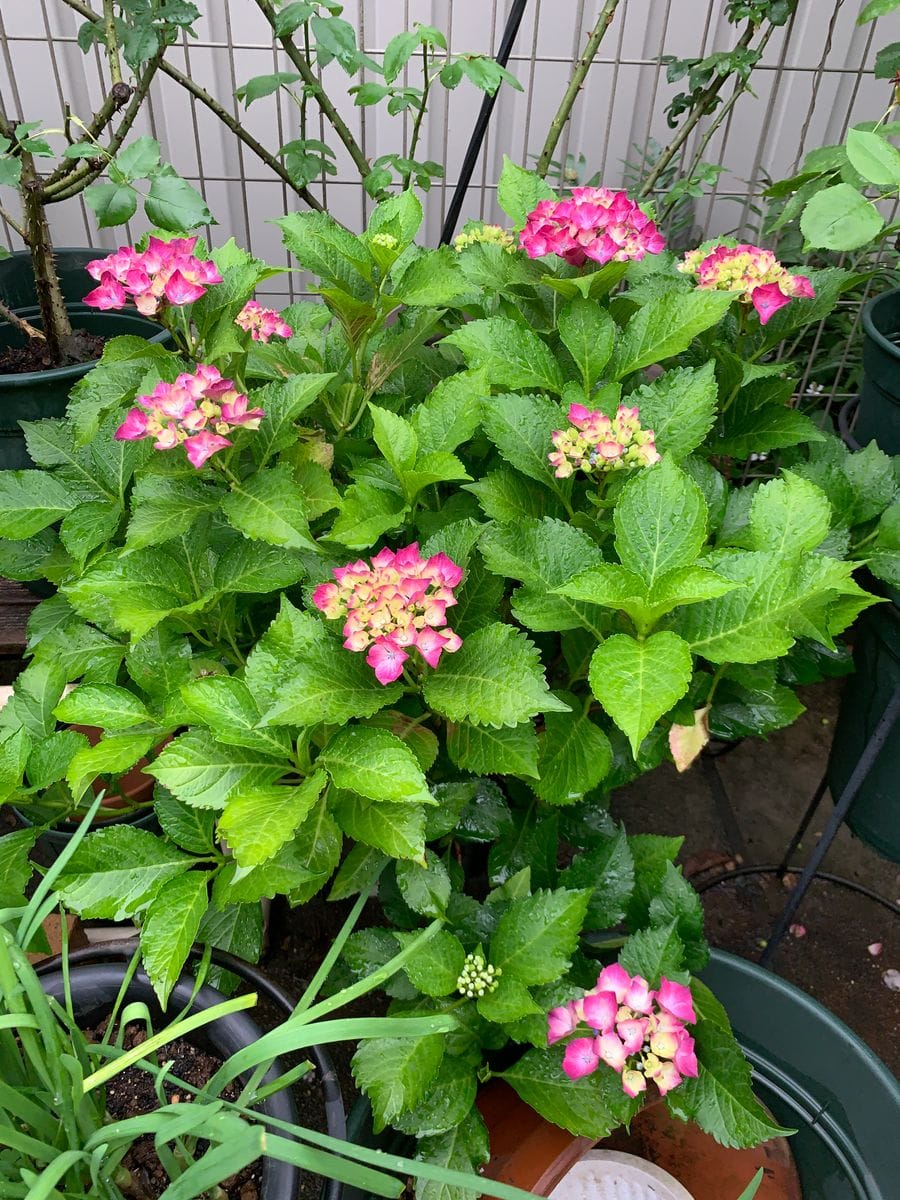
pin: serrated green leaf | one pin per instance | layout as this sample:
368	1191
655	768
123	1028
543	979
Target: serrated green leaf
638	681
463	1148
299	870
112	756
224	704
448	1101
395	438
607	868
113	203
375	764
505	496
485	751
89	526
16	867
201	771
108	707
509	1001
395	1073
588	332
651	854
575	755
537	935
257	821
367	512
357	872
191	828
494	679
519	192
590	1107
676	901
665	326
396	829
450	413
680	408
270	506
159	662
510	354
327	249
30	501
170	928
426	889
789	515
115	872
163	508
660	522
174	204
47	763
653	953
840	218
437	965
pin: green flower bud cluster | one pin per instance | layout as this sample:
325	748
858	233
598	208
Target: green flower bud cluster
478	978
386	240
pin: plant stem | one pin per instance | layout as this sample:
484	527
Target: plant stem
296	55
554	133
111	41
54	317
14	224
229	121
20	323
406	178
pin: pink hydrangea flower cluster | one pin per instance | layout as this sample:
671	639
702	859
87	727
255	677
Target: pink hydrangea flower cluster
397	604
595	442
595	223
262	323
164	273
638	1032
196	411
753	272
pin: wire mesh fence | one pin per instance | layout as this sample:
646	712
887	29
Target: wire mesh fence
813	81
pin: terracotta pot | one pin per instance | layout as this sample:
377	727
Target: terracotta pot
530	1153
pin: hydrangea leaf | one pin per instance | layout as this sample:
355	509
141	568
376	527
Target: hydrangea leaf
680	408
660	522
270	507
201	771
366	513
789	515
105	706
519	192
574	756
425	889
521	427
537	935
494	679
464	1148
511	354
30	501
638	681
655	952
588	332
111	756
165	506
665	326
395	1073
257	821
170	927
396	829
607	868
590	1107
115	872
375	764
224	704
449	1099
510	750
437	965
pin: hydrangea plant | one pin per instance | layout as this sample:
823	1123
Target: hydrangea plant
472	547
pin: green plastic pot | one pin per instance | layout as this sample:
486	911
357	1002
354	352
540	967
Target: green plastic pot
875	814
34	395
810	1071
879	403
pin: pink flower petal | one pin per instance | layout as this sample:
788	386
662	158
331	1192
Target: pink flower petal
581	1058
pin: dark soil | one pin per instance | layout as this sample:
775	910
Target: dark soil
132	1093
34	356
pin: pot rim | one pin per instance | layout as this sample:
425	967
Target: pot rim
871	329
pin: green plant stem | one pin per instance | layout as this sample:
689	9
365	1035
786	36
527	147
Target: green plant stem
111	41
699	109
229	121
697	157
579	74
14	224
334	118
406	178
20	323
716	679
75	181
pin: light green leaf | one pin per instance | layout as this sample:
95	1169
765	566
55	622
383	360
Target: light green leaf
463	1148
116	872
638	681
192	829
200	771
328	250
789	515
588	332
113	203
660	521
451	412
225	705
874	157
519	191
270	506
509	1001
521	427
494	679
840	218
395	438
30	501
437	965
665	326
575	755
655	952
107	707
396	829
170	928
174	204
485	751
590	1107
680	408
375	764
426	889
510	354
112	756
395	1073
367	513
283	401
537	935
256	822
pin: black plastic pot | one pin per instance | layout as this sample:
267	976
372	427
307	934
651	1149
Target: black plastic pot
810	1071
95	985
817	1076
879	405
875	814
33	395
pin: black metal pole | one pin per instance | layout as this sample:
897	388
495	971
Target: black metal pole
510	31
841	808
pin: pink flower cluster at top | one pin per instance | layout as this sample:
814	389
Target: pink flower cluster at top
594	223
595	442
640	1033
196	411
755	273
164	273
262	323
396	604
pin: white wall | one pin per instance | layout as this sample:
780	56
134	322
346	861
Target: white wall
815	78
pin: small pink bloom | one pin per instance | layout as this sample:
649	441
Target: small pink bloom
614	979
581	1058
560	1023
797	931
179	290
235	412
110	294
664	1045
134	427
327	598
612	1050
639	996
430	645
386	660
202	446
676	999
685	1058
767	299
633	1083
594	223
665	1075
600	1010
632	1032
